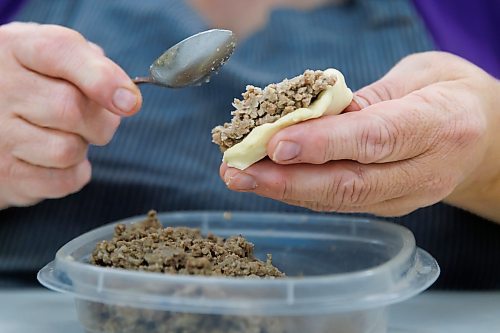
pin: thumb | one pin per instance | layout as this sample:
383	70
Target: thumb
410	74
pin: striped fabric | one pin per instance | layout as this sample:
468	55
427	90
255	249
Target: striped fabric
163	159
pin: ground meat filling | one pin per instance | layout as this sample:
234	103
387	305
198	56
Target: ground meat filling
147	246
261	106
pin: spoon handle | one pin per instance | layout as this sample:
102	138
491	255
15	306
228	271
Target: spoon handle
143	79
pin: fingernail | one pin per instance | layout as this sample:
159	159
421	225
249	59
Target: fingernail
239	181
125	100
285	151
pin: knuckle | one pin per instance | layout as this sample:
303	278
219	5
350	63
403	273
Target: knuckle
84	175
420	58
330	193
423	60
385	90
60	35
439	187
67	104
455	123
432	58
325	146
57	47
464	133
65	150
11	170
467	128
443	64
72	181
318	142
352	189
96	81
105	68
67	95
439	57
286	191
55	41
106	133
358	188
284	187
328	150
97	48
377	141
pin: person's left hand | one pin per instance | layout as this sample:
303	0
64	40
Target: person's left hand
426	131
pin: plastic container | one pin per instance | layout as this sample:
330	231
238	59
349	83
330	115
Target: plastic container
341	275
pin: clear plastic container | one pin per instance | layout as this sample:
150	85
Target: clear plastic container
341	274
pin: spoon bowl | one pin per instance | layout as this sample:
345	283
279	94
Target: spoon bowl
191	61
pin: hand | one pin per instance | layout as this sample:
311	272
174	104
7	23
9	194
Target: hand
427	131
58	94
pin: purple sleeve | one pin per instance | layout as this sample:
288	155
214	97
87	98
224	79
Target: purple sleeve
8	8
470	29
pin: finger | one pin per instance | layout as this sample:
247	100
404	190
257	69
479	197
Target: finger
335	184
429	192
97	48
388	208
395	207
222	170
63	53
426	193
384	132
46	147
58	104
412	73
34	183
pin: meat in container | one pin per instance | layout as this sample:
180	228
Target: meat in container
341	275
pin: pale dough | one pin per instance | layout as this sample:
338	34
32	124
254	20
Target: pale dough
253	147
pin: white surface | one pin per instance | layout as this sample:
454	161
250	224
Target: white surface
440	312
42	311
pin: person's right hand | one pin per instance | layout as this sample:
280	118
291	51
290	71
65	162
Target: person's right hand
58	94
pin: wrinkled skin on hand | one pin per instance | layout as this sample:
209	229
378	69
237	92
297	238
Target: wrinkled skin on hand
58	94
427	131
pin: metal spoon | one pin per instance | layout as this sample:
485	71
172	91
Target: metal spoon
191	61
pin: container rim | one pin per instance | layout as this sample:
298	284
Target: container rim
417	279
404	253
